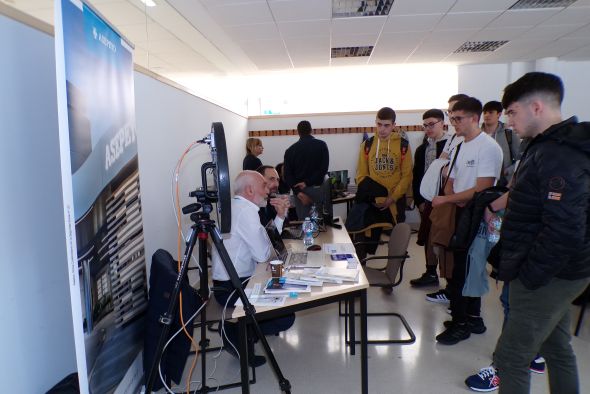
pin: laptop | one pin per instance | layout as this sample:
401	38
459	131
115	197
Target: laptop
290	258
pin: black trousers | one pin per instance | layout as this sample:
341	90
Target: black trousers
268	327
461	307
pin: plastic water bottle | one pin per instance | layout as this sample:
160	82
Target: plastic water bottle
494	227
307	228
314	216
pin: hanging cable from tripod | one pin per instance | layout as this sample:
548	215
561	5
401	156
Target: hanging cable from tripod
180	238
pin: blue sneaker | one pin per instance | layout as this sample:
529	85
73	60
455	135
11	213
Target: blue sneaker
538	365
484	381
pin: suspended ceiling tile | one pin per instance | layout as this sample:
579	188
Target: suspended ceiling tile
305	28
241	14
311	44
392	41
253	32
121	14
583	32
408	7
359	25
579	54
349	61
516	18
482	5
464	20
571	16
424	22
550	33
498	34
142	32
298	10
354	40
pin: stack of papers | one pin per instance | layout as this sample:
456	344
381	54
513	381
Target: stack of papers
337	275
302	279
284	287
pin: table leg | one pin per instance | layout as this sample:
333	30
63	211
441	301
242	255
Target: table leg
364	353
351	321
243	351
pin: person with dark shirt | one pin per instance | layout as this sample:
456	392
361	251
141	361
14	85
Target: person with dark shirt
276	206
283	187
254	149
306	165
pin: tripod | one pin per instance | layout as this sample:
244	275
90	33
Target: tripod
202	228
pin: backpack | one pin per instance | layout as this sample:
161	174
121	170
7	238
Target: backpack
404	145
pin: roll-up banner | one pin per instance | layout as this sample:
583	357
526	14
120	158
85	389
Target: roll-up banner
102	201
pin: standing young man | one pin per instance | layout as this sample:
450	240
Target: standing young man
383	175
477	166
306	165
444	258
432	147
545	235
510	143
384	169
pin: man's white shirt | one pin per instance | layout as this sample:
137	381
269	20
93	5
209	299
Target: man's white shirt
452	141
479	158
246	244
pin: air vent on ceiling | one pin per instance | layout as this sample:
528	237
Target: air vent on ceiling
533	4
351	51
352	8
480	46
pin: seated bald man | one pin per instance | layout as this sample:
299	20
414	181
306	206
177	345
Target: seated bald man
247	244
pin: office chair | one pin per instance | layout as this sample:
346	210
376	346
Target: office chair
385	277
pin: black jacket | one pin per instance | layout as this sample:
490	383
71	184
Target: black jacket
546	230
419	168
306	161
251	162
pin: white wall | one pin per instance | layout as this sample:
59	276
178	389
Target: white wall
344	148
487	81
37	335
168	120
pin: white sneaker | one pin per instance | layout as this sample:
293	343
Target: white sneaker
440	297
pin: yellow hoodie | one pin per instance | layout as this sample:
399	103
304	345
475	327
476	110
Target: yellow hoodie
386	165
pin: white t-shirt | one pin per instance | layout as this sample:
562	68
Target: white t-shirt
452	141
479	158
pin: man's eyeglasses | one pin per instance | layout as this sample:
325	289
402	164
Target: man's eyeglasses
430	125
457	119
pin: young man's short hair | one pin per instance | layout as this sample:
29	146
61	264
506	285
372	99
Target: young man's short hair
304	127
470	105
493	106
457	97
534	83
386	113
433	113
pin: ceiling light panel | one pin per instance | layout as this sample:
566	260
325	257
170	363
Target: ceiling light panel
480	46
530	4
354	8
351	52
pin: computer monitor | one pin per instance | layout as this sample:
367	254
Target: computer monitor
339	182
326	207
